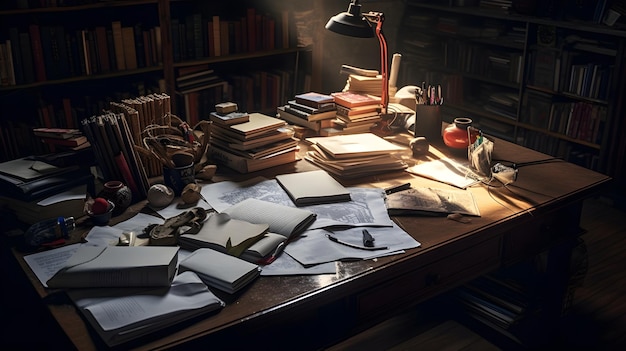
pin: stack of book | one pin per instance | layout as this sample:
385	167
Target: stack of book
63	137
363	84
261	142
356	113
227	113
34	190
310	110
199	80
354	155
117	157
198	89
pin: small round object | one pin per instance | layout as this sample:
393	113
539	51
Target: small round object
191	193
160	195
419	146
455	135
100	205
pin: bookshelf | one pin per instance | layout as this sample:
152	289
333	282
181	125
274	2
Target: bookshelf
553	83
70	78
549	83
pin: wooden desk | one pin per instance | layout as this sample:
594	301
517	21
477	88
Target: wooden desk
540	210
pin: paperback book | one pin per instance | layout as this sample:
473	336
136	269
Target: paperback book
219	270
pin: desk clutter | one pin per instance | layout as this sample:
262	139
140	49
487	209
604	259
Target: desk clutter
206	241
221	252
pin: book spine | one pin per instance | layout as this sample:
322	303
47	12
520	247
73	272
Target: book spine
138	45
130	52
228	159
27	58
216	36
37	50
251	25
14	36
118	41
224	38
102	48
4	71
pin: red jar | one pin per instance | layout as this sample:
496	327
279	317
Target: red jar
455	135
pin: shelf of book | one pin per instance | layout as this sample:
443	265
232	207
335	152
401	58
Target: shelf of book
524	78
92	60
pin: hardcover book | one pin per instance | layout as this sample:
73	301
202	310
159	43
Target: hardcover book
297	120
311	110
117	266
229	118
244	164
257	123
314	99
351	99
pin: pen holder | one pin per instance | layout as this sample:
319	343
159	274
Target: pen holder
177	178
428	122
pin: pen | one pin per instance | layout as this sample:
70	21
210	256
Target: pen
334	239
368	239
396	188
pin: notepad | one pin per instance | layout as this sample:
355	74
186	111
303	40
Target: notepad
313	188
219	270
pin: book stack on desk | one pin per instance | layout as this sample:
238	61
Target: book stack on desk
364	84
35	190
311	110
354	155
261	142
356	113
63	138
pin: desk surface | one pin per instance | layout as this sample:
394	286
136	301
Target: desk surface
451	253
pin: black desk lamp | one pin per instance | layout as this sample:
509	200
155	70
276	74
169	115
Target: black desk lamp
353	23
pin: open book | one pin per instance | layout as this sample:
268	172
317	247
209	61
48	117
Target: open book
219	270
242	225
117	266
225	234
122	314
431	201
284	222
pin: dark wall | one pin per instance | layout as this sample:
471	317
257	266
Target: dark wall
359	52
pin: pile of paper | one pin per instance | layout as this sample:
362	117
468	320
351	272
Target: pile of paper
354	155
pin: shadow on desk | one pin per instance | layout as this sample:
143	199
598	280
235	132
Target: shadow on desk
28	324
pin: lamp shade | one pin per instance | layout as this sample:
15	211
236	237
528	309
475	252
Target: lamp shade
351	23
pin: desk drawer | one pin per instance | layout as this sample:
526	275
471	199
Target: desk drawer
539	234
429	280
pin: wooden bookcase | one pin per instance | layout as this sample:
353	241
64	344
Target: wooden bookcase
551	85
68	81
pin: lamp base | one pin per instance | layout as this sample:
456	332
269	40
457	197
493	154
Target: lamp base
386	126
